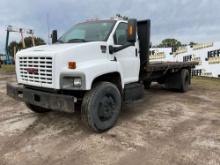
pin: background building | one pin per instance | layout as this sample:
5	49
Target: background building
208	56
161	54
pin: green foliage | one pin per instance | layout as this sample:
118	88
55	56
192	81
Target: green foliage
170	42
28	44
28	41
192	44
7	69
39	41
11	47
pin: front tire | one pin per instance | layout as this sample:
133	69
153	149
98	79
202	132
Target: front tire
101	107
37	109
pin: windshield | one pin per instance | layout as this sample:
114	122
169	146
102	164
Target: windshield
87	32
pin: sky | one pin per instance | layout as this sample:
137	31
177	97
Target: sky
185	20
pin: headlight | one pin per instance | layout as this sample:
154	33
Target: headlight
72	82
77	82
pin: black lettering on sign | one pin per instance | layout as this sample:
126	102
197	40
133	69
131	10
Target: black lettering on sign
187	58
214	53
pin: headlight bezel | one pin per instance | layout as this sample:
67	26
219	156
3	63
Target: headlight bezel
67	81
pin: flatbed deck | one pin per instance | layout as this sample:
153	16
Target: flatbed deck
162	66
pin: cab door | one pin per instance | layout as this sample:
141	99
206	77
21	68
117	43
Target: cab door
128	58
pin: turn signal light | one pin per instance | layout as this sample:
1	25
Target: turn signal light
72	65
130	30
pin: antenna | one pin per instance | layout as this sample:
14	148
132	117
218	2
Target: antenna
48	29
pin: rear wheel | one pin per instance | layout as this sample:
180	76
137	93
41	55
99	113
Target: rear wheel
161	81
101	107
179	81
147	84
36	109
185	80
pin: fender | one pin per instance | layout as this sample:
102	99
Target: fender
95	68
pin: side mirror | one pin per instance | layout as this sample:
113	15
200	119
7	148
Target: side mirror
132	30
111	49
54	36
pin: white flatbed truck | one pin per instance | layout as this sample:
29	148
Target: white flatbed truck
97	65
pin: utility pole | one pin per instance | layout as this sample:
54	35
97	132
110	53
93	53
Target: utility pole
48	29
9	28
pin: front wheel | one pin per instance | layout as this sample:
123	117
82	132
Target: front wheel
101	107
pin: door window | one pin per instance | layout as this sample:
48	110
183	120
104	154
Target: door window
120	37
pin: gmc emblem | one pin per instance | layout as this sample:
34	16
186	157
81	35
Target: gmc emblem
31	70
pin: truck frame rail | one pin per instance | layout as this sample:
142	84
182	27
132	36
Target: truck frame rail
162	66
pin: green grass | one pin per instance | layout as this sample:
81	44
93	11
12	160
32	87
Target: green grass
210	83
7	69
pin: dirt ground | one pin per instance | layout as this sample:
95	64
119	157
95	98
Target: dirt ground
162	129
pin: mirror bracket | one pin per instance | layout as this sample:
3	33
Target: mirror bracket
113	49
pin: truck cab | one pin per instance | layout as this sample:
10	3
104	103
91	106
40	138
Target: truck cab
96	64
86	45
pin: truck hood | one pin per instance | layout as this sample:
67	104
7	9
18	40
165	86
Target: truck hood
51	48
62	53
60	48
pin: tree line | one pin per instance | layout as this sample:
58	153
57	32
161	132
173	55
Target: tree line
173	43
28	43
169	42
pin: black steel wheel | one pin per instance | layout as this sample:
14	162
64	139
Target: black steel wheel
101	107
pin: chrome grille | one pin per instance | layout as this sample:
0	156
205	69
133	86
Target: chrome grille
36	70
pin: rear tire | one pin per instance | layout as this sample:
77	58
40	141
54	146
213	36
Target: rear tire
161	81
147	84
37	109
101	107
179	81
185	80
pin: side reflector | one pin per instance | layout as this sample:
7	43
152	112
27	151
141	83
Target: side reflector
72	65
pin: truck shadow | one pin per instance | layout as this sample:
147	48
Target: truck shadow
129	110
70	123
151	98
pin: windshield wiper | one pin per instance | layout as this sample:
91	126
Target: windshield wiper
76	40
